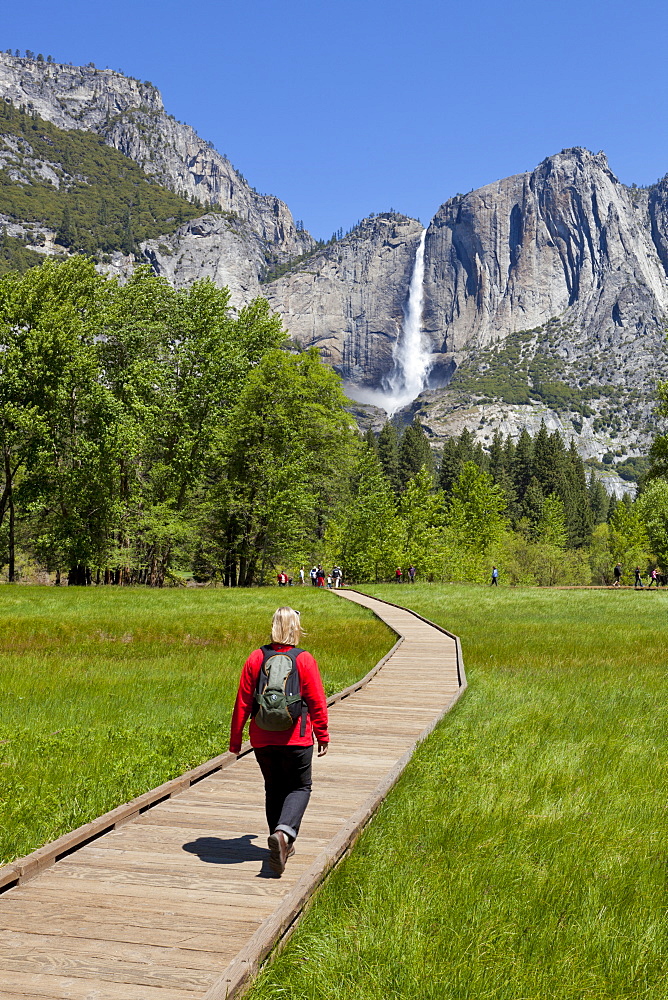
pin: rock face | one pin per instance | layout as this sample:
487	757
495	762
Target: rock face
566	240
566	252
348	299
220	247
131	117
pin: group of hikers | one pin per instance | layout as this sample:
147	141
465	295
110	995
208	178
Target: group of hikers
654	577
400	576
317	576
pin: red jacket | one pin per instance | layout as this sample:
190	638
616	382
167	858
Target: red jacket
312	692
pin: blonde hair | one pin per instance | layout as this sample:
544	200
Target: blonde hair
286	627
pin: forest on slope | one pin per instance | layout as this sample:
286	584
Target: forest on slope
95	199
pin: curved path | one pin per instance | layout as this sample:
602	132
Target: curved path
169	897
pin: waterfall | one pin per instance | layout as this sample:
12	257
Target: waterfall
411	356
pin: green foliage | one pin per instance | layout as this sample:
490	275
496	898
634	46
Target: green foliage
475	511
659	450
551	528
652	512
526	474
103	202
629	542
524	367
422	511
388	453
368	538
145	429
286	460
414	452
16	256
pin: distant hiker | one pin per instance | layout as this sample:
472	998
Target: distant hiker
313	573
337	573
282	579
329	581
638	579
618	574
301	575
411	574
654	578
320	576
398	574
282	728
495	577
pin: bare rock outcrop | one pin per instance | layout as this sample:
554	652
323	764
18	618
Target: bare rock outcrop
567	240
217	246
348	298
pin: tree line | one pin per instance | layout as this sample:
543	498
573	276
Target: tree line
149	434
528	506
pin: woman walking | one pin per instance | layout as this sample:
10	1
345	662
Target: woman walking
281	688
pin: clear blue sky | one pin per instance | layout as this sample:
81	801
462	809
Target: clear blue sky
356	106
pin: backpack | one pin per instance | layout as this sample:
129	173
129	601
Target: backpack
278	703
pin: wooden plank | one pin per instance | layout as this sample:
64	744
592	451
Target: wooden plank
35	986
130	927
247	962
114	905
160	894
61	964
23	942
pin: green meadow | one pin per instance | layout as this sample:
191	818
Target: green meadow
106	693
524	853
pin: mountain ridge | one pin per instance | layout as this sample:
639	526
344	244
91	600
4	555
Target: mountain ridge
565	257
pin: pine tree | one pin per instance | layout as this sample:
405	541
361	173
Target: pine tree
456	452
542	465
369	439
599	501
532	506
497	457
579	519
522	464
388	453
414	452
66	234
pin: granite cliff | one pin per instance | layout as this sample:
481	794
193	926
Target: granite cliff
348	298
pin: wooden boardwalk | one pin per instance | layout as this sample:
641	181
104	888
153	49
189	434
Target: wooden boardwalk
176	902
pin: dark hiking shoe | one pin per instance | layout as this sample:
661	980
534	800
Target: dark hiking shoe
279	851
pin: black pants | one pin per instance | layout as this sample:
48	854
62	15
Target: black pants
287	785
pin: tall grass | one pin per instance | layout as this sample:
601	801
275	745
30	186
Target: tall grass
107	693
523	855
